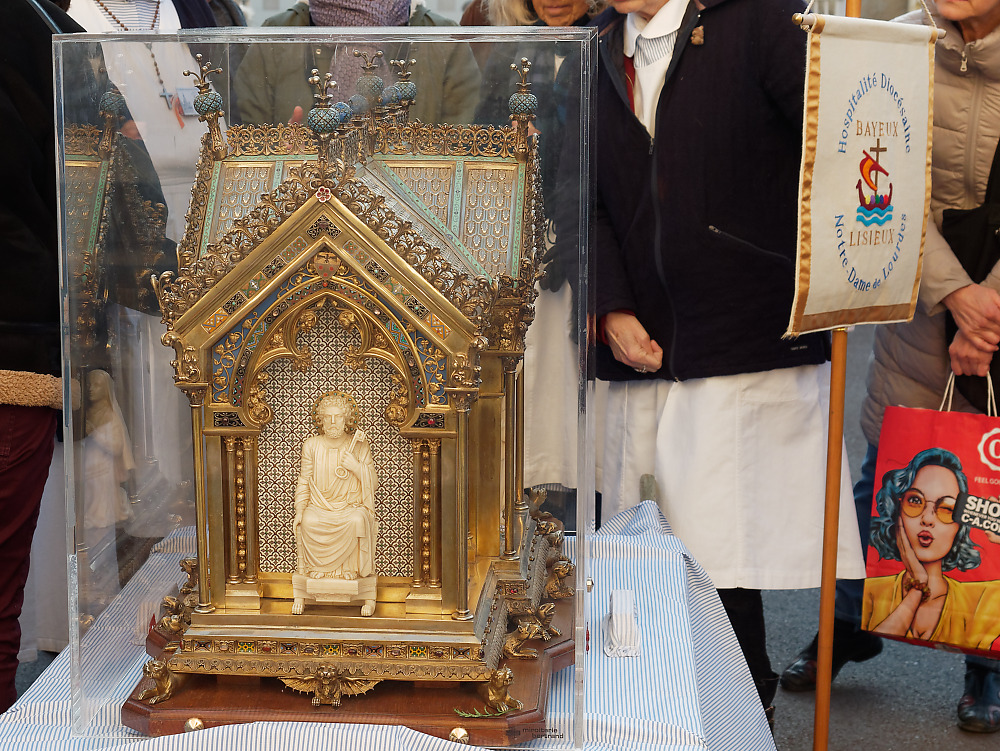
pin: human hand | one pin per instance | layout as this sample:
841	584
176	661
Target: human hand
976	310
350	462
630	342
967	358
297	115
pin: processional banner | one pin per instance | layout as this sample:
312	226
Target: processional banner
865	183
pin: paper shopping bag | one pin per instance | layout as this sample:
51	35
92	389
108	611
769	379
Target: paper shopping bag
933	560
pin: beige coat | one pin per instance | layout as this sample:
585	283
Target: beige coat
910	364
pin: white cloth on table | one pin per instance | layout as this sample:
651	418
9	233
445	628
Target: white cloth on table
689	691
740	462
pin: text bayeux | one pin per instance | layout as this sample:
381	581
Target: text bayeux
877	128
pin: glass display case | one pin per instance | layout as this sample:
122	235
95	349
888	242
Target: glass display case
326	306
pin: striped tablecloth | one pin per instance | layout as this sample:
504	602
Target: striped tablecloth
689	689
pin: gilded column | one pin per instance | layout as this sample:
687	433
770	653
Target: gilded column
512	523
196	396
462	516
241	512
417	505
253	540
434	448
233	573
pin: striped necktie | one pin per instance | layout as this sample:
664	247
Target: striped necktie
648	51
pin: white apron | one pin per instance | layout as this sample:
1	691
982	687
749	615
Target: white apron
740	462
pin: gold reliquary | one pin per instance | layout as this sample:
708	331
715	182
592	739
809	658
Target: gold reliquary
348	317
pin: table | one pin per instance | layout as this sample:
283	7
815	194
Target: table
690	688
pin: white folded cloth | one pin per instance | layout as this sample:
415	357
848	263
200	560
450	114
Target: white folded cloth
621	633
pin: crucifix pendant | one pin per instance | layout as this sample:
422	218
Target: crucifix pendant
166	98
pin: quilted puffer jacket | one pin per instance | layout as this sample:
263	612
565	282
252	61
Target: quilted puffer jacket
910	364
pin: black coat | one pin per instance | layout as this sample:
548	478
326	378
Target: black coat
29	284
695	230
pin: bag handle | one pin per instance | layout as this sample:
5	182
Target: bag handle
949	393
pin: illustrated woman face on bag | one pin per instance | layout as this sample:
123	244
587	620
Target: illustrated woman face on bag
915	506
926	527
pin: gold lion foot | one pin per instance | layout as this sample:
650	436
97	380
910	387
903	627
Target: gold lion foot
166	682
513	646
543	616
497	691
555	587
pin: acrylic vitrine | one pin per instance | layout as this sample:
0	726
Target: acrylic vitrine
326	304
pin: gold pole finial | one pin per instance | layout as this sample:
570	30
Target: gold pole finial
208	104
324	87
371	61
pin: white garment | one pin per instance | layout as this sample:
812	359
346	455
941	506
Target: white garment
551	391
741	466
649	78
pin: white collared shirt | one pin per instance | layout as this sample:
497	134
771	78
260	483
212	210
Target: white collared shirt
649	79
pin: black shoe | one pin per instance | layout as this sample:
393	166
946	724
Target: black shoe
979	707
849	645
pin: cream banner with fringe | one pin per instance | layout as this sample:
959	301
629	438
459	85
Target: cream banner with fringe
865	183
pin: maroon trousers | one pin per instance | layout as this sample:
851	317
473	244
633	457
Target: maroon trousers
26	443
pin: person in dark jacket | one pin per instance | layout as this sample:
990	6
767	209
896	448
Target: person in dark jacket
30	388
696	163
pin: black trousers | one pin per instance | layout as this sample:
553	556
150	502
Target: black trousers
745	608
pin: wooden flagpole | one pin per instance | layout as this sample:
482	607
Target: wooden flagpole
831	523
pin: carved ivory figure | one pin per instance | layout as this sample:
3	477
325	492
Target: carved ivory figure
335	527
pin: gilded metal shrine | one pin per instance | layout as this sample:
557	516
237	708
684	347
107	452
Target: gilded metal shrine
392	262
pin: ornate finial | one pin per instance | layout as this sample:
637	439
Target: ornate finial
402	67
522	103
203	84
523	72
112	108
407	89
371	62
324	87
208	104
325	118
370	85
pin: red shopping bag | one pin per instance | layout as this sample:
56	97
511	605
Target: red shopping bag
933	560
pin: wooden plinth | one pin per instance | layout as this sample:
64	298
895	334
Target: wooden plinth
427	707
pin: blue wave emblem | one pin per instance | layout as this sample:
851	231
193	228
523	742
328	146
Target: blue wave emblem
868	217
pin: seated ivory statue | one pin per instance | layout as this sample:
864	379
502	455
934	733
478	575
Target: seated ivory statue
335	527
